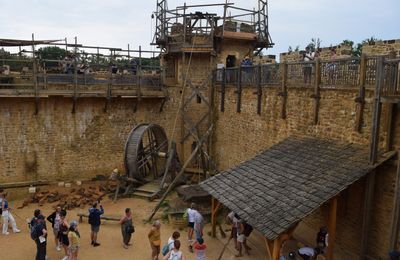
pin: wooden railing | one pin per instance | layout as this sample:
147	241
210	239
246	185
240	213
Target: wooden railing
338	73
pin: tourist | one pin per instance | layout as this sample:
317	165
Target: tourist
200	249
175	254
247	230
170	244
155	239
127	227
55	220
234	222
307	69
6	216
63	233
240	236
74	240
190	213
306	252
198	224
94	221
331	66
40	233
322	238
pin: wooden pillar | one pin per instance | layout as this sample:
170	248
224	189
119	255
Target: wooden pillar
214	208
332	227
390	118
395	225
361	95
316	94
368	198
283	92
268	247
277	248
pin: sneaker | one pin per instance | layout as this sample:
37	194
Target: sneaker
17	231
64	258
92	243
95	244
125	246
58	248
7	233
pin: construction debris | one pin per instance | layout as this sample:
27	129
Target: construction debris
70	199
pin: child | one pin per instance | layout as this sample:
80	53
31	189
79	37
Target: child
74	240
200	249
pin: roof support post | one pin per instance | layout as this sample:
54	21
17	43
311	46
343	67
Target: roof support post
395	225
269	247
214	208
276	249
332	226
368	198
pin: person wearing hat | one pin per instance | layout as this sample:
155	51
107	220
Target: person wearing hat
41	234
74	240
6	216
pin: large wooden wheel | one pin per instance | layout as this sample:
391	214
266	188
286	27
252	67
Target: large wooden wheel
145	152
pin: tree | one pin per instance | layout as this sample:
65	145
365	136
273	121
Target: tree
52	53
356	49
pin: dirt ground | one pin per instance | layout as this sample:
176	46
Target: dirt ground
20	246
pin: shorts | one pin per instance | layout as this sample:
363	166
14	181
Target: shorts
95	228
64	239
73	249
241	238
234	233
191	224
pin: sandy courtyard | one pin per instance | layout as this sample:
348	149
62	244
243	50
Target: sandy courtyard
21	247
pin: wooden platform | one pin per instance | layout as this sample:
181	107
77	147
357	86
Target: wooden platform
150	190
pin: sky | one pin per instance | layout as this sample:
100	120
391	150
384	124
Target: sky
117	23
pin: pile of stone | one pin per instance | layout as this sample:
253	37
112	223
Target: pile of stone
70	199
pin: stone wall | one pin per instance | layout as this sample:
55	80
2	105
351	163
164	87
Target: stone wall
342	51
59	145
388	47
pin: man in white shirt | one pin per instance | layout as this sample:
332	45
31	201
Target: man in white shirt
306	252
307	69
234	221
191	212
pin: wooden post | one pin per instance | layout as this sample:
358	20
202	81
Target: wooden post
368	197
276	249
332	227
223	84
214	208
395	225
35	72
259	89
269	248
390	115
239	90
283	92
140	74
361	96
316	95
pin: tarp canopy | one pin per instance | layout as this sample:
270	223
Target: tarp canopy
16	43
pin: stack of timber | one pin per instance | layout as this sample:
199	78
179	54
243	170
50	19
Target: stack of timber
74	198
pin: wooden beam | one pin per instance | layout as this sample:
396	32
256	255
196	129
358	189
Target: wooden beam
390	118
316	94
332	226
361	96
276	249
368	198
395	224
283	92
269	247
214	208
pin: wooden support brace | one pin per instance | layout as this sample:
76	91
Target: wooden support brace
162	104
316	95
283	92
390	118
332	226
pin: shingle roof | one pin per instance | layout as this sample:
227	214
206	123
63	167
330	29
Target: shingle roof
282	185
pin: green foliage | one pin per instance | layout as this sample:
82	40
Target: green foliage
52	53
356	50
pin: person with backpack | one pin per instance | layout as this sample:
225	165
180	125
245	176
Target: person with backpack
127	227
39	234
322	238
94	221
55	220
6	216
74	240
63	233
170	244
175	254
